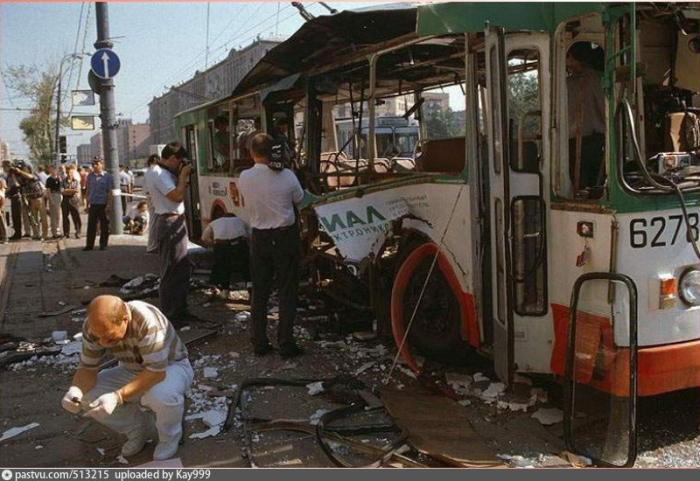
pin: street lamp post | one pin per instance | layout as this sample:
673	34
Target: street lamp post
71	56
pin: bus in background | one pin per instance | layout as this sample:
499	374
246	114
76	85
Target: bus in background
396	136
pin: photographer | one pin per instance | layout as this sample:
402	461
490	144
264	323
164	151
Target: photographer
167	190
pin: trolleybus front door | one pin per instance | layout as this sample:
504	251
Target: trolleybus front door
517	97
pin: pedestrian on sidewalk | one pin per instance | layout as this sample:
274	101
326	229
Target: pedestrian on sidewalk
270	196
170	178
53	195
33	209
152	245
153	371
15	198
71	203
83	185
99	195
3	226
227	235
125	187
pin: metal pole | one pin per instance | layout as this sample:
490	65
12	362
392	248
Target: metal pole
109	124
58	116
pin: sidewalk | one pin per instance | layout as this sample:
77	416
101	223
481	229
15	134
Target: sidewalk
39	277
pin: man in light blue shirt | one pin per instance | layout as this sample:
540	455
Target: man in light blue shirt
99	195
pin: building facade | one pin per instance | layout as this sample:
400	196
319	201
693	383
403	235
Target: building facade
215	83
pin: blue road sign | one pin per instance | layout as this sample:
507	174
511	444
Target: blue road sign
105	63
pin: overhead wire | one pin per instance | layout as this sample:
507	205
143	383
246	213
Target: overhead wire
237	37
75	49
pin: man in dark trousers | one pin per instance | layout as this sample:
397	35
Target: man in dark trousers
167	187
270	197
99	195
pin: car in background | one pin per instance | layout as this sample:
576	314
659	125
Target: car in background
138	178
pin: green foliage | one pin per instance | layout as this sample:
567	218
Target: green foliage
39	127
442	125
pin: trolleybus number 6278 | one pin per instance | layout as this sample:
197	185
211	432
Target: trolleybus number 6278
653	232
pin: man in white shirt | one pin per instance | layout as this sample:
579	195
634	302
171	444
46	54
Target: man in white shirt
167	190
227	235
152	245
270	197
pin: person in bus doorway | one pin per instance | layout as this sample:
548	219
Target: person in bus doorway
222	143
586	105
99	195
167	189
282	131
247	142
270	197
227	235
153	371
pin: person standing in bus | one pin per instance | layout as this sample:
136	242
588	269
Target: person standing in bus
222	144
167	189
586	104
282	132
270	197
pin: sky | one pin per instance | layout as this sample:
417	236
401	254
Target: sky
160	44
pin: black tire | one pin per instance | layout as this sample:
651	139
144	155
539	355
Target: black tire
435	331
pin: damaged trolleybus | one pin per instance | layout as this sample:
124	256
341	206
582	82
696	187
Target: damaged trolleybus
554	229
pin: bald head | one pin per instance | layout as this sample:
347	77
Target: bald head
107	319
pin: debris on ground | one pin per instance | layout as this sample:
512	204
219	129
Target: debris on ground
12	432
548	416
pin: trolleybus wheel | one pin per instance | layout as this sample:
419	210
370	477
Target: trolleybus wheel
435	331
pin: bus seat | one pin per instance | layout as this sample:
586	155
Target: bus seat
682	132
443	155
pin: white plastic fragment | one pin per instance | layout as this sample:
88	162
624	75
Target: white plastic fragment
315	388
101	451
480	377
548	416
122	459
210	372
12	432
316	417
493	391
364	367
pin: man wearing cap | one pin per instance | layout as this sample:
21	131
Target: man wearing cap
99	195
167	187
153	372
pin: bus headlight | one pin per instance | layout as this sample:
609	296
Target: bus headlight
689	287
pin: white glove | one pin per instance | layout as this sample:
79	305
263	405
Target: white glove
71	400
104	405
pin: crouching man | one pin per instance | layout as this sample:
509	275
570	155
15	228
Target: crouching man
153	371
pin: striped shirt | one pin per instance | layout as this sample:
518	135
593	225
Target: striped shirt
150	342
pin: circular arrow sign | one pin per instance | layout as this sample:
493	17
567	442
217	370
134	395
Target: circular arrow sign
105	63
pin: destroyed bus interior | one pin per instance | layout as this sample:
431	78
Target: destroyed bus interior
411	79
658	114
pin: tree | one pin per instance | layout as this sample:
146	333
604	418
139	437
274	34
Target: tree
441	125
39	128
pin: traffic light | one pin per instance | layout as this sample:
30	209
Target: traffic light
64	158
62	144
